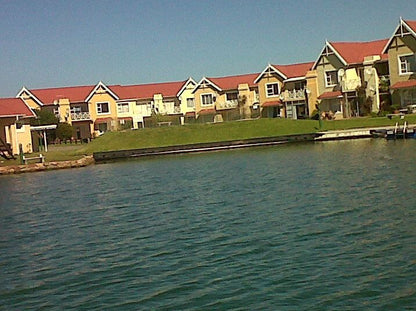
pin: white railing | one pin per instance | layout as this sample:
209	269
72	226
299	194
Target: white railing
291	95
79	116
228	104
350	85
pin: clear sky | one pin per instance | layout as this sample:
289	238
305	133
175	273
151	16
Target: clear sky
63	43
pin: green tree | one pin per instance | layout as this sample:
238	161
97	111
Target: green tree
64	131
44	117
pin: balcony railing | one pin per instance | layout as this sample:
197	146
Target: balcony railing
292	95
233	103
80	116
350	85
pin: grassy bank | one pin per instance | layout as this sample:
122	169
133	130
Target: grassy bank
201	133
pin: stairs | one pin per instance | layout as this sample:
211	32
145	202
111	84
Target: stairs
6	151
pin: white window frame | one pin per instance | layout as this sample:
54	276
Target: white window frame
212	99
267	89
406	64
100	112
332	82
190	102
120	107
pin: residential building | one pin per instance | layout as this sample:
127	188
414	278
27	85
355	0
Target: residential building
401	50
349	77
139	102
226	98
15	116
287	90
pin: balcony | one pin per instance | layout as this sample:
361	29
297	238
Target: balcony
293	95
350	85
80	116
228	104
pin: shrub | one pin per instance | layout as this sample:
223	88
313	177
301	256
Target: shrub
64	131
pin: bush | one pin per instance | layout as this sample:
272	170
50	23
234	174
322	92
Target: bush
64	131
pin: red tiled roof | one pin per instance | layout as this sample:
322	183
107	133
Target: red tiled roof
412	24
207	111
232	82
404	84
11	107
294	70
142	91
103	120
75	94
272	103
354	52
329	95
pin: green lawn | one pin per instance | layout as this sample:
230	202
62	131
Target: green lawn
198	133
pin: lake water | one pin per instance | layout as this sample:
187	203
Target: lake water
324	226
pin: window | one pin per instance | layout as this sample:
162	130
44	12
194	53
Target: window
123	107
190	103
331	78
76	109
272	89
207	99
232	96
407	64
103	108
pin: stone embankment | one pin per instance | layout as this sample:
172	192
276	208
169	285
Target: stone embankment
37	167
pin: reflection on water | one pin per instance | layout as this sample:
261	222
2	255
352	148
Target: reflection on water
325	226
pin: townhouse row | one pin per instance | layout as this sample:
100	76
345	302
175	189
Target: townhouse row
347	79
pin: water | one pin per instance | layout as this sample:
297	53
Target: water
325	226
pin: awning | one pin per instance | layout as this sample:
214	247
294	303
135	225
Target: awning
404	84
190	114
330	95
207	111
103	120
272	103
126	118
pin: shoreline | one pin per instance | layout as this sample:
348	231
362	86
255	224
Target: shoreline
117	155
47	166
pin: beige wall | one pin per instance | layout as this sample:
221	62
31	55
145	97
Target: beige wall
267	78
326	63
400	46
313	89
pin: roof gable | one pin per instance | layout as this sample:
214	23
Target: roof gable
185	85
14	107
402	29
101	85
353	52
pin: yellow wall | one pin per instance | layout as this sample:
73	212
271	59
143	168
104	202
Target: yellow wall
14	136
205	90
312	87
187	93
29	101
99	97
266	79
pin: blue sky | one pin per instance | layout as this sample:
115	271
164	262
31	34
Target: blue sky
63	43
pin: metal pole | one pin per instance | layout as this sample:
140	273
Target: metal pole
45	141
